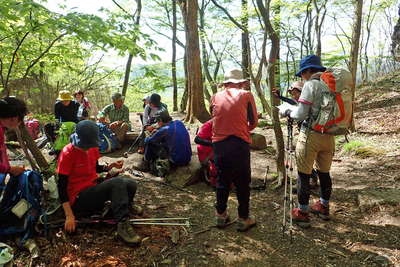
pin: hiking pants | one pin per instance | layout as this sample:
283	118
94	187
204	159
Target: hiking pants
120	131
232	159
153	151
303	187
119	190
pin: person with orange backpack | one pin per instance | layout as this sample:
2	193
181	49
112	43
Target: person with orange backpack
325	106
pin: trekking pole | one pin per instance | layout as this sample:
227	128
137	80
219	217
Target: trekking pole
291	157
285	197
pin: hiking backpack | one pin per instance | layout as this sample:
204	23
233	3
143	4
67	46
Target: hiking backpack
20	204
108	140
336	109
33	127
63	134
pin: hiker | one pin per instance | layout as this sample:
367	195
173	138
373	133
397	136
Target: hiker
146	101
171	141
149	124
65	110
312	146
12	112
118	115
205	152
234	116
294	91
84	105
79	192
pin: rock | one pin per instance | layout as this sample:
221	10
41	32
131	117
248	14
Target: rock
131	136
258	141
373	197
181	175
382	260
175	236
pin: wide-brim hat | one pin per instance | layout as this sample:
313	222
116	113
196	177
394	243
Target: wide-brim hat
64	95
234	76
86	135
298	85
310	61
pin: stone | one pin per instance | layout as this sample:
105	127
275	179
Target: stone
258	141
379	196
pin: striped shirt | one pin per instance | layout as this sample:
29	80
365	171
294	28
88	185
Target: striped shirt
121	114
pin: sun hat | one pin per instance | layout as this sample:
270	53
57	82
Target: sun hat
310	61
86	135
234	76
155	99
117	96
298	85
64	95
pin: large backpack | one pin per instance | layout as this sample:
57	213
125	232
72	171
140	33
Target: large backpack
108	140
63	134
33	127
336	109
20	205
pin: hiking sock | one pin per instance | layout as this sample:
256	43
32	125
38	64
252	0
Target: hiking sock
303	189
325	185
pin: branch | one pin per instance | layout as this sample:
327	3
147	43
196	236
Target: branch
33	63
120	7
229	16
163	34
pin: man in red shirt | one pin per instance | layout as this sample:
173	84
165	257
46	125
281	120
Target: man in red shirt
235	115
78	189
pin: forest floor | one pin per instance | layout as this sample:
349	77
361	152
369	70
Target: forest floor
364	229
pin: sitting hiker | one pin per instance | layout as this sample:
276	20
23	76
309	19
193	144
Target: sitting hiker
20	201
205	152
170	141
65	110
312	147
79	192
149	123
118	115
84	105
146	101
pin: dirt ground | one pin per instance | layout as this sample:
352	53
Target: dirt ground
356	235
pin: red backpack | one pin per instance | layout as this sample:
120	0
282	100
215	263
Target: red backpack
33	127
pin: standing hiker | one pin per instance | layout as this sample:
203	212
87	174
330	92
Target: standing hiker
312	146
235	115
118	115
78	189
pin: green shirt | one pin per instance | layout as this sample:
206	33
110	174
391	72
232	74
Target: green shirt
121	114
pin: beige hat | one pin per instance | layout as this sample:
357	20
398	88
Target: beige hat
64	95
298	85
234	76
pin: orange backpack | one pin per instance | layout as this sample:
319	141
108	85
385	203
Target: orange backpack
336	104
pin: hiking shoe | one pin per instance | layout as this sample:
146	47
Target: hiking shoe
301	218
136	210
140	150
245	224
320	210
127	234
221	219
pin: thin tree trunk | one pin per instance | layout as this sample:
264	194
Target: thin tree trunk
31	145
127	74
245	40
355	43
173	65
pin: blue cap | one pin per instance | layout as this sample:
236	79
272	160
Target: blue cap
86	135
310	61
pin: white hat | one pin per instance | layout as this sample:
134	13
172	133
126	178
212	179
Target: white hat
234	76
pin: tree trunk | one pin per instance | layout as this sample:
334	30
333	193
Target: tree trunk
196	108
127	74
355	43
173	64
245	40
273	56
31	145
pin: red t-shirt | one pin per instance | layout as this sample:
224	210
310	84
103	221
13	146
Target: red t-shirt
80	166
230	114
205	132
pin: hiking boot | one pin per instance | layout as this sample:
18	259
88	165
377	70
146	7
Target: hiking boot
136	210
140	150
245	224
221	219
143	166
301	218
320	210
127	234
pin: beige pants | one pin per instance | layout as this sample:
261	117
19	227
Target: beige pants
318	148
120	131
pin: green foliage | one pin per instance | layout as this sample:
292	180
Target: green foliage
361	149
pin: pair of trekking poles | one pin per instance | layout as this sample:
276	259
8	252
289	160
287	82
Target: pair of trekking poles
288	197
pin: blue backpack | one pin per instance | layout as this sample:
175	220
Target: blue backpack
108	140
20	205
